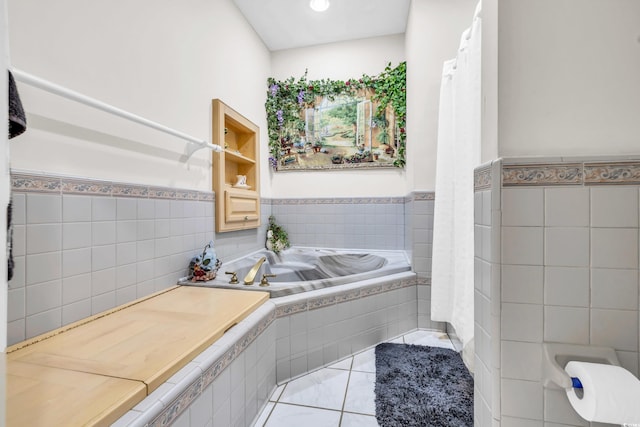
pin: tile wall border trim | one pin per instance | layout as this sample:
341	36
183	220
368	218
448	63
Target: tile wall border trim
542	174
482	178
172	411
612	173
25	182
416	195
423	281
339	201
423	195
348	295
572	173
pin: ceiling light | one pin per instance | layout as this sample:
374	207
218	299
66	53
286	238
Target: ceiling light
319	5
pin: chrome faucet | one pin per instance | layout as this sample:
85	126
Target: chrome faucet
251	275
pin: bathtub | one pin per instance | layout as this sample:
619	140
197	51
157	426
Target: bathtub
300	269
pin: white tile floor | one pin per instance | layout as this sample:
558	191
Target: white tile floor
339	395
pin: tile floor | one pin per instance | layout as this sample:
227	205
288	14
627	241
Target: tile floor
339	395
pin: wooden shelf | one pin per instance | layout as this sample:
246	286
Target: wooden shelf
237	157
236	208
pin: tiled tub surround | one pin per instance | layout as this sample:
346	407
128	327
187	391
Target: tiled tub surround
319	327
230	382
84	246
569	268
368	223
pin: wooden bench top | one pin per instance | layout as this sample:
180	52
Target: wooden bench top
99	370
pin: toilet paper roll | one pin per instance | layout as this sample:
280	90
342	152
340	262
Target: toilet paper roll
610	394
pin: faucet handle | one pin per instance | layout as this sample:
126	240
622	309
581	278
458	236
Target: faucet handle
234	277
265	281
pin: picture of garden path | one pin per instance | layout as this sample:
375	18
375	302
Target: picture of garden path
336	134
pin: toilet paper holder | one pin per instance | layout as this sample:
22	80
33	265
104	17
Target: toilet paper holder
556	356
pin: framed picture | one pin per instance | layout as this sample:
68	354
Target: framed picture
325	124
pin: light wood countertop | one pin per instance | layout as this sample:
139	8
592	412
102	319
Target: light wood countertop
101	369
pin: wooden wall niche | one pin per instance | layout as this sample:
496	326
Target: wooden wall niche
237	206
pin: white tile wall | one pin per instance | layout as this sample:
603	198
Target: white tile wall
78	255
569	274
76	208
614	247
566	286
522	360
522	398
527	207
522	245
366	224
566	246
566	324
488	289
43	209
76	235
614	207
615	328
521	322
614	289
522	284
565	207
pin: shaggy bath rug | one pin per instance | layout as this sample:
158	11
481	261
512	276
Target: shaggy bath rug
422	386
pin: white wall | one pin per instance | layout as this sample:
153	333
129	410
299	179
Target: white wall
489	137
433	36
339	61
163	60
343	60
569	77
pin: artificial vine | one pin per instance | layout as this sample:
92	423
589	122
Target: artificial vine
286	98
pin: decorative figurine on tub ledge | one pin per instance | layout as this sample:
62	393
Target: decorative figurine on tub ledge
204	267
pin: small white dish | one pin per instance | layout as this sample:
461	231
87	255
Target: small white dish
245	186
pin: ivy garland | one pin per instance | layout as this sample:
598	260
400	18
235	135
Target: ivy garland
285	100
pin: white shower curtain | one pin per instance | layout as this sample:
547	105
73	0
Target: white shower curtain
458	154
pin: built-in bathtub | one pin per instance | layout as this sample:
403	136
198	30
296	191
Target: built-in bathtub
306	325
284	338
300	269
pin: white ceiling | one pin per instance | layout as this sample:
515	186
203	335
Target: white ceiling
285	24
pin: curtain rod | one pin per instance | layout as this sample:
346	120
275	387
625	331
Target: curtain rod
56	89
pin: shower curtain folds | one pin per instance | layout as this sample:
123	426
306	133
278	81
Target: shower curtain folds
458	153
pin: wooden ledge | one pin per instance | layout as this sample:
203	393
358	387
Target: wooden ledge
99	370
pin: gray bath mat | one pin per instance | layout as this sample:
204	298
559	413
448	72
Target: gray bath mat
422	386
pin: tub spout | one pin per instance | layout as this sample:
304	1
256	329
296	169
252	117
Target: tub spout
251	275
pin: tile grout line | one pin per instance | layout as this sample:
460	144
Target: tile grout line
274	403
309	406
346	391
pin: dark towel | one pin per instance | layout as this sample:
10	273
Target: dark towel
10	263
17	119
